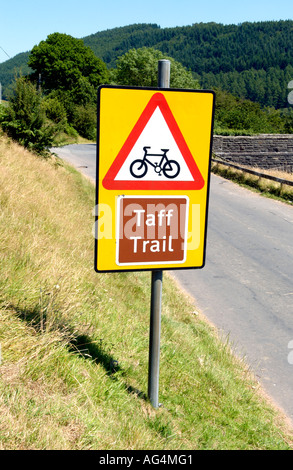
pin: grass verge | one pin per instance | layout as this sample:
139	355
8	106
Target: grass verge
266	187
74	343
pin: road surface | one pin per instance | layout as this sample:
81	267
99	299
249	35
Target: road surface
246	286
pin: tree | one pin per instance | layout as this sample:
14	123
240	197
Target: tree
70	74
62	61
139	67
24	120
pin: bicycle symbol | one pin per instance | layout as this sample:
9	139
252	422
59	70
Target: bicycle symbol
169	168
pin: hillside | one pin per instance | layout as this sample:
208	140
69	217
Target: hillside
74	343
250	60
12	67
204	47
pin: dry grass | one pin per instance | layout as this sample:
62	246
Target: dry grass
267	187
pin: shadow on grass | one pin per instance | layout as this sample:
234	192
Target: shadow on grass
87	348
82	344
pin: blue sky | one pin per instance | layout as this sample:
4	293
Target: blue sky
25	23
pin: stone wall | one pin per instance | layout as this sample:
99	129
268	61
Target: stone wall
262	151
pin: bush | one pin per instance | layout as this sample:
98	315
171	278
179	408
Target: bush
55	110
24	120
85	121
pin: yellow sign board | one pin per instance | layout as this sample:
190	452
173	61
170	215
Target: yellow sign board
153	170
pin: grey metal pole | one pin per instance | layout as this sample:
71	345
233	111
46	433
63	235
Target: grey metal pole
156	294
155	333
164	73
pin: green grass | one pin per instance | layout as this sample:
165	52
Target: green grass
74	343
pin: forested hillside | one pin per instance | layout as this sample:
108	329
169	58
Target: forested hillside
250	60
10	68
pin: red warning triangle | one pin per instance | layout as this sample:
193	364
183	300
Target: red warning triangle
155	155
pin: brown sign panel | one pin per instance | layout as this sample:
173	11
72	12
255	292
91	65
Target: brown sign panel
151	230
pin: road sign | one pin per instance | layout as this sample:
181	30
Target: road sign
153	165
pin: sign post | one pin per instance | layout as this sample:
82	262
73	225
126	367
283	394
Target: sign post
155	334
152	186
156	292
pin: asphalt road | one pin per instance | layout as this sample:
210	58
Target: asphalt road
82	157
246	286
